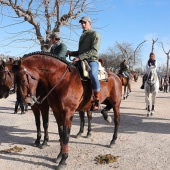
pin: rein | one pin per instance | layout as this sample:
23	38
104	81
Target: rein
40	102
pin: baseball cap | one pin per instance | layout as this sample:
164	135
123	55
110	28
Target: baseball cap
85	19
55	35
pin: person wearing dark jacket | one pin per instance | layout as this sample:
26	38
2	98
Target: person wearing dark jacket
124	68
59	48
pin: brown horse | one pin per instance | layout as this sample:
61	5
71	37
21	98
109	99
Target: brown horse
66	93
127	87
134	75
6	78
6	82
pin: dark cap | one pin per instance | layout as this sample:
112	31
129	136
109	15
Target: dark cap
85	19
55	35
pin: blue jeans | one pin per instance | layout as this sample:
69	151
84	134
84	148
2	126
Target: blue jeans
127	74
93	73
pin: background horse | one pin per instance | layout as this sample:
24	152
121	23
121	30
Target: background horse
7	81
66	93
135	75
127	88
151	89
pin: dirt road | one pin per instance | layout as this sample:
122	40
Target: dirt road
143	142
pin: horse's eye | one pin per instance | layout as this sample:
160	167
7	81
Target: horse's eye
23	81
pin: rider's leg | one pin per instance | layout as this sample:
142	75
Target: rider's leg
143	81
95	82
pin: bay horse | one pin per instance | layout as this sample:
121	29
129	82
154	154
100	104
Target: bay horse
135	75
66	93
127	87
6	82
151	89
6	78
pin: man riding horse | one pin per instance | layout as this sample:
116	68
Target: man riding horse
88	50
124	68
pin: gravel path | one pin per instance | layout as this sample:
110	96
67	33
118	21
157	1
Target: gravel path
143	142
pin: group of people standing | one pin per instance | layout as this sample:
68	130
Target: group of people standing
166	84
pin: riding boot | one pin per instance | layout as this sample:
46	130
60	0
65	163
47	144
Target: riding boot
96	100
143	81
16	107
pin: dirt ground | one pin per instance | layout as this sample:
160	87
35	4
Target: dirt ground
143	142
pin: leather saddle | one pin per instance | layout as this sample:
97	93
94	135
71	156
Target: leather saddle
84	68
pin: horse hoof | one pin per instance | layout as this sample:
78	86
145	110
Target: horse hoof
148	114
78	136
88	135
124	98
61	166
109	119
36	144
112	144
42	146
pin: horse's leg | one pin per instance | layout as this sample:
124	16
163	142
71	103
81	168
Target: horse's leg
89	116
153	103
116	109
148	110
104	112
45	117
60	131
124	94
81	115
65	139
36	112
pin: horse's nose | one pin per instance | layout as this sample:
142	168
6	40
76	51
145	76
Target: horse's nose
29	101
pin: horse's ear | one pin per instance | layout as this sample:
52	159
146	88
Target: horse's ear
11	60
15	66
3	63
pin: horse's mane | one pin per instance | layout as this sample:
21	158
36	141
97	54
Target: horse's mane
49	54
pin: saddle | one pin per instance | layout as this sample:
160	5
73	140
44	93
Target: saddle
84	68
122	73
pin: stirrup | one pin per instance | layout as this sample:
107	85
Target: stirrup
95	105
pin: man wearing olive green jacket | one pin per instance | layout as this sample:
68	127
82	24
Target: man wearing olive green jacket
89	44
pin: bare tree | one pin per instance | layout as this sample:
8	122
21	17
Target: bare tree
45	16
137	49
167	60
153	43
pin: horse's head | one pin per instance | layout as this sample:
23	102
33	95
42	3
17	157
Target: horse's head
152	76
27	82
6	79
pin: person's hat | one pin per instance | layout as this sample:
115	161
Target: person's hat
85	19
55	35
124	59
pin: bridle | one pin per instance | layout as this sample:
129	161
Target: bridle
3	79
28	88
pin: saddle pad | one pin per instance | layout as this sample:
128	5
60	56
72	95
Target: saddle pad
102	74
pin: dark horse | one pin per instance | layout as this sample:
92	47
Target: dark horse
127	87
6	82
6	78
66	93
134	75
